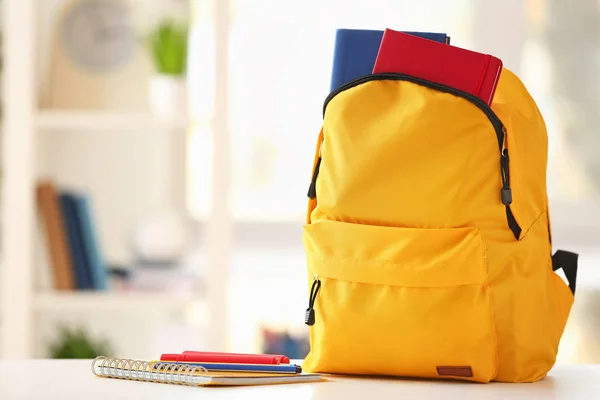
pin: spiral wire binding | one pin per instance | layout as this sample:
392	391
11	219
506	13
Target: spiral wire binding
147	371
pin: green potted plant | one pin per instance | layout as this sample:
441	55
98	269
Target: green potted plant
167	43
76	343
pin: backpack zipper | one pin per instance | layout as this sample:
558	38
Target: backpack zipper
312	189
501	133
309	315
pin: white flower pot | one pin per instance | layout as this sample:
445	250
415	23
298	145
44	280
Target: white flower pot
168	97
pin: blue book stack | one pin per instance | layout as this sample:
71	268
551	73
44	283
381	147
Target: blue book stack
95	262
355	52
88	266
82	273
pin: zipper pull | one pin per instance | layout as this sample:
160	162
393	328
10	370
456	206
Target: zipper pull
309	315
506	191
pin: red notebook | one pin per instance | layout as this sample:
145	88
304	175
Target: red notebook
466	70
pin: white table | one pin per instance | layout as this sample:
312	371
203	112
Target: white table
73	380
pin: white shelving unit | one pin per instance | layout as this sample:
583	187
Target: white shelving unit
20	303
51	120
18	203
106	301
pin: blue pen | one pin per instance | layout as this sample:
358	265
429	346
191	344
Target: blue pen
266	368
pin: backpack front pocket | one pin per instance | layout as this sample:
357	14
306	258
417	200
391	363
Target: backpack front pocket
399	301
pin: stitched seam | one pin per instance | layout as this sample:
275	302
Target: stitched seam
533	224
492	322
361	261
398	286
380	224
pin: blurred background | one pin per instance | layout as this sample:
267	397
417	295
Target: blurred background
155	158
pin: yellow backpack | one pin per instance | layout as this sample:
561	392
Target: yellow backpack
428	249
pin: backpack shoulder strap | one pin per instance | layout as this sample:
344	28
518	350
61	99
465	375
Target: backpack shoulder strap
568	262
312	190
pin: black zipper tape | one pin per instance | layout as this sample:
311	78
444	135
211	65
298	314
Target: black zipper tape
312	189
498	126
309	315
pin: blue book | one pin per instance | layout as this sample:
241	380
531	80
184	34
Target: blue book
83	276
355	52
95	263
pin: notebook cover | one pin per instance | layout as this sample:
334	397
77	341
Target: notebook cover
256	380
90	243
82	274
355	52
55	235
466	70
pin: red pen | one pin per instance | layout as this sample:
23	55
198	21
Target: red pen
234	358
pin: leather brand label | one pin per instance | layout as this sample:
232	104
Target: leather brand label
462	371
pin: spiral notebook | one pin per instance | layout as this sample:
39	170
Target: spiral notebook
188	374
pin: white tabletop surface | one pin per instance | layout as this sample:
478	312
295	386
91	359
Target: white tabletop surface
73	380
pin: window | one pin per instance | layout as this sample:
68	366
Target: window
279	70
280	54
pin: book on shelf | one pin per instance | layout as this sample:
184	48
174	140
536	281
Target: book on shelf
90	242
71	240
81	267
55	235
